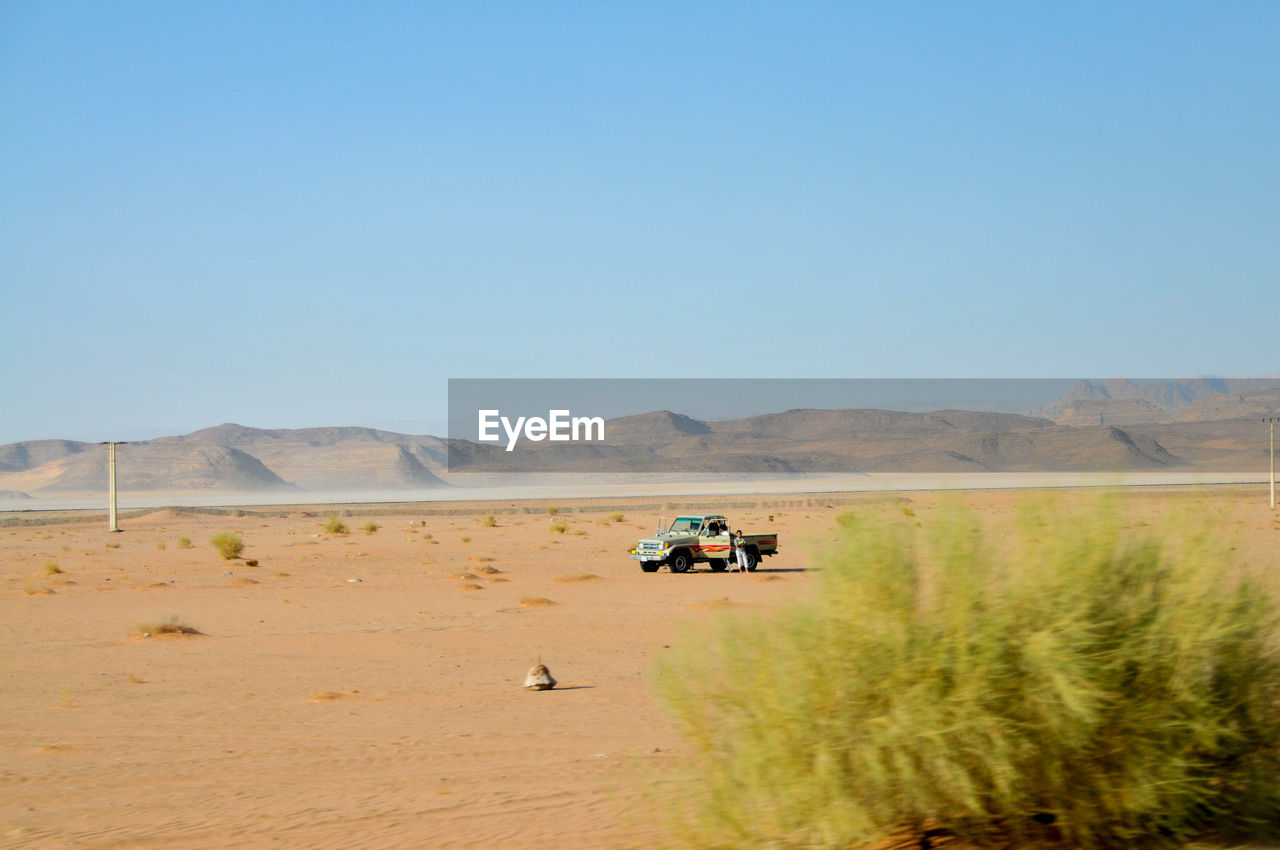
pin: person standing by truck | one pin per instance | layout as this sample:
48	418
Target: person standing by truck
740	546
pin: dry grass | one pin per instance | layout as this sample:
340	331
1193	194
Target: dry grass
537	602
979	677
228	544
165	624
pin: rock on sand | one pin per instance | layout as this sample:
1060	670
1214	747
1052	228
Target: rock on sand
539	679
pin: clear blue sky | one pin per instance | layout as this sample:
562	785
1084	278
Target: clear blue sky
294	214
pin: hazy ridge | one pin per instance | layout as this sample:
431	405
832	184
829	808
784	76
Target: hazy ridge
1113	425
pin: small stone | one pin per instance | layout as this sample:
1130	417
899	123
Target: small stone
539	679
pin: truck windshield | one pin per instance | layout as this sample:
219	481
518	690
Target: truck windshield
685	524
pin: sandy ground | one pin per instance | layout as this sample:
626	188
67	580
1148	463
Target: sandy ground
363	690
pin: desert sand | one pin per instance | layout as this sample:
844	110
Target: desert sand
365	689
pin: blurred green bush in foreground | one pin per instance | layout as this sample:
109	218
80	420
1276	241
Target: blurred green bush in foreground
1119	684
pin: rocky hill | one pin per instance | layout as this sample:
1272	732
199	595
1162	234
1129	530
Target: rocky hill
1110	426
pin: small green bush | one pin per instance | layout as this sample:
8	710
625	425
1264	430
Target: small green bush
552	511
559	526
371	527
466	538
52	569
228	544
489	521
333	525
616	516
184	542
983	681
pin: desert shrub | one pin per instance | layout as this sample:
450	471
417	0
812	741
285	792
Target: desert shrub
559	526
370	527
552	511
333	525
986	681
184	542
52	569
616	516
489	521
228	544
165	624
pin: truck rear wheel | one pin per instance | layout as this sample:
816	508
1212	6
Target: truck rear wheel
753	558
681	562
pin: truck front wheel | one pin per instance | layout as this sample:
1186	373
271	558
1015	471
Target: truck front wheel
681	562
649	566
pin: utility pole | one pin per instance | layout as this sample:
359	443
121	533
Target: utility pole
1271	420
111	485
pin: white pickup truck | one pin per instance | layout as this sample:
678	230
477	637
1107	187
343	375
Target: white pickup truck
699	538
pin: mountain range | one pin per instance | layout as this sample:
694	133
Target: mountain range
1211	424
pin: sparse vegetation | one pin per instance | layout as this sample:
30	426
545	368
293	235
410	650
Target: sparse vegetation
489	521
328	696
1057	679
52	569
616	516
166	624
333	525
160	544
466	538
370	527
228	544
552	511
184	542
559	526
